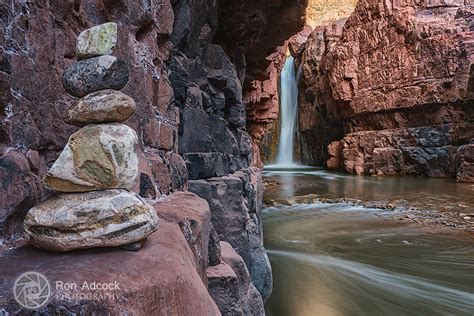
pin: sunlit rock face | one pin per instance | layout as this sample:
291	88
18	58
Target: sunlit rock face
323	12
395	84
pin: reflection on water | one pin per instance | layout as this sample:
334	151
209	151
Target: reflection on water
443	194
340	259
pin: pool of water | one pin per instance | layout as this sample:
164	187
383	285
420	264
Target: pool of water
344	259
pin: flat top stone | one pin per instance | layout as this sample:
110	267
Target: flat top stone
97	40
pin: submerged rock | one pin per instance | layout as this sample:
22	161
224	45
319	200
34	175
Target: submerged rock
106	106
96	157
98	40
98	73
94	219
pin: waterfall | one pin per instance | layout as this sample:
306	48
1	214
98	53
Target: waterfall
288	110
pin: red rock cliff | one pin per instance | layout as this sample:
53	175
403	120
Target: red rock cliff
393	88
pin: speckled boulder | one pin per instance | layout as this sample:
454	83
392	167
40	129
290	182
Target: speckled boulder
94	219
96	157
96	41
93	74
105	106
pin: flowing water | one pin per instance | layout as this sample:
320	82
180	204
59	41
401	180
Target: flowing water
346	259
288	108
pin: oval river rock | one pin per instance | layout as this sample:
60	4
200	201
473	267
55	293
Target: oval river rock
94	74
94	219
105	106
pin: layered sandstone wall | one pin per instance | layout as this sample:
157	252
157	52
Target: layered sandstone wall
394	88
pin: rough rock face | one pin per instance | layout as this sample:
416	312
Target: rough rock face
20	190
105	106
251	30
236	202
194	81
224	289
86	220
230	285
464	160
252	303
211	139
165	267
193	216
212	136
96	157
395	84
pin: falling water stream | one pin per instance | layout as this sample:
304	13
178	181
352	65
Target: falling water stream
338	259
288	110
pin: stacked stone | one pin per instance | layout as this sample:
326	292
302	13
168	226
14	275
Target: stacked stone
99	164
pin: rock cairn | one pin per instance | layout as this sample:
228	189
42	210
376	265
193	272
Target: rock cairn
99	164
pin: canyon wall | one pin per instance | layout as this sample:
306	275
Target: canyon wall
267	32
190	119
390	91
254	34
213	139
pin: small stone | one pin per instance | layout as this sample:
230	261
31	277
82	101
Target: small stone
94	74
105	106
107	218
96	157
134	246
98	40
